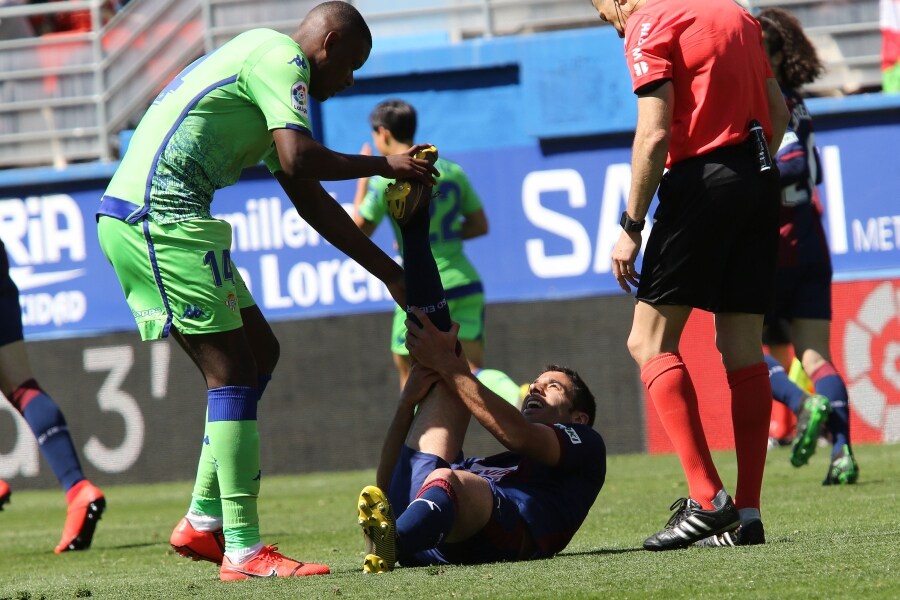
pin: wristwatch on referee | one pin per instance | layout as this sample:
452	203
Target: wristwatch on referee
629	224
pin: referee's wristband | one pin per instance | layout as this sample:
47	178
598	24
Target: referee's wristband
629	224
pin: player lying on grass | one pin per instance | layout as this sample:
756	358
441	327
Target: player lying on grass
440	509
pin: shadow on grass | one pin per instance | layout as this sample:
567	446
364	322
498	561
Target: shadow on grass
602	552
128	546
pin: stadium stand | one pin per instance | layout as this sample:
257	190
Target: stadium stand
65	96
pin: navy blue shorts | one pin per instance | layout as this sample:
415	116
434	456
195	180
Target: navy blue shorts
10	309
504	538
715	235
800	293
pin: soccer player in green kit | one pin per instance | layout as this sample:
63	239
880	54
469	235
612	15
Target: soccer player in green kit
248	101
456	215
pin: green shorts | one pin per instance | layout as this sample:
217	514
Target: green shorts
178	275
468	311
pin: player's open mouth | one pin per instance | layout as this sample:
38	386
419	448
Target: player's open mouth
533	403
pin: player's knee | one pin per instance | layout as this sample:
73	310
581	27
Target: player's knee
442	474
639	348
443	478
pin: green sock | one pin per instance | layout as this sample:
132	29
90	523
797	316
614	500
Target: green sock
234	445
205	498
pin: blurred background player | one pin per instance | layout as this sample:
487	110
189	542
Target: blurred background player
244	103
802	312
709	110
456	215
522	504
85	501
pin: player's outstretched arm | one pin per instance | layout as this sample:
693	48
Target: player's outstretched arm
302	157
330	219
436	350
420	381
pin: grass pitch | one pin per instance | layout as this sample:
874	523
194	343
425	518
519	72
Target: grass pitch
834	542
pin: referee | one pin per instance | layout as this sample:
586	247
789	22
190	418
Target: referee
711	111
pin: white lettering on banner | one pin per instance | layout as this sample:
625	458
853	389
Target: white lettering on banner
308	284
834	189
564	265
160	355
265	226
878	234
112	398
570	182
37	230
23	459
59	309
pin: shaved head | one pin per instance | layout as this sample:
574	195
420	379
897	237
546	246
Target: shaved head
337	41
335	16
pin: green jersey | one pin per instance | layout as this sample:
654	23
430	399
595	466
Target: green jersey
455	199
214	120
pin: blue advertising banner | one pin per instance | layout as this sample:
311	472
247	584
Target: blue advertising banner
553	213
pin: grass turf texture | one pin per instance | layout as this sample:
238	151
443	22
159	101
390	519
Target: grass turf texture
835	542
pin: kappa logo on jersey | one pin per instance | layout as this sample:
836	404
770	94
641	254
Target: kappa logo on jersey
192	311
573	436
298	60
300	98
495	473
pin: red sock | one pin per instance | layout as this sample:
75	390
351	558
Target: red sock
673	394
751	410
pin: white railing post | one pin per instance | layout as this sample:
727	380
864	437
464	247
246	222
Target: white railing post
488	20
99	80
207	20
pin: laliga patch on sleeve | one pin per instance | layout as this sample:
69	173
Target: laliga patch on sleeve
573	435
300	98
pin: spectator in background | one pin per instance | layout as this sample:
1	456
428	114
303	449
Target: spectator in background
710	110
19	386
12	28
802	311
456	215
73	21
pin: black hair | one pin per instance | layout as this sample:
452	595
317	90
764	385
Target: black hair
582	398
784	33
396	116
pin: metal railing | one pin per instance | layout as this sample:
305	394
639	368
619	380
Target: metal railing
847	36
65	96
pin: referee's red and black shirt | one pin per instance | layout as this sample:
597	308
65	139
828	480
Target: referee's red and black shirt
712	50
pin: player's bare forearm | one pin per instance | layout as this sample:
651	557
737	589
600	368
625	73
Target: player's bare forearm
302	157
504	422
393	442
436	350
651	144
418	385
330	219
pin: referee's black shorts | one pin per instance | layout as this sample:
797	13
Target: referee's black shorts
715	235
